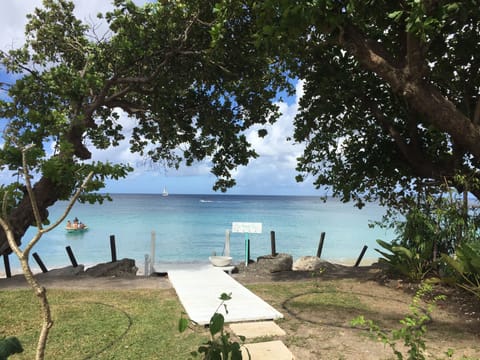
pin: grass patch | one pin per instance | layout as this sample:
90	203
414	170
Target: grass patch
327	301
140	324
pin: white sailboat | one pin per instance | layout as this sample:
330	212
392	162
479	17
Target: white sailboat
165	192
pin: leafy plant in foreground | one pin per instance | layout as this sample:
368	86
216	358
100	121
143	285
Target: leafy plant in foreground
411	263
413	327
9	346
467	266
219	347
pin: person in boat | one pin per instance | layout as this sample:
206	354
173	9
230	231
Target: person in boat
75	223
69	224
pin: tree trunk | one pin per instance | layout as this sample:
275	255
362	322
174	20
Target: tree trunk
408	82
21	218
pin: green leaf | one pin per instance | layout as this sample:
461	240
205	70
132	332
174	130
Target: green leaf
396	15
403	250
182	324
10	346
384	244
236	352
216	323
455	264
225	296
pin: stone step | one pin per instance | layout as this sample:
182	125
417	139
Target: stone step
257	329
270	350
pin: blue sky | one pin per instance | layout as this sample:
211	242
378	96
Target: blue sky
273	173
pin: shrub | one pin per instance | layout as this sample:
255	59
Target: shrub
466	265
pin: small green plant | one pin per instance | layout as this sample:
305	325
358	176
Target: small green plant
316	275
220	346
413	327
9	346
411	263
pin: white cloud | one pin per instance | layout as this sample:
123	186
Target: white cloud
13	20
277	155
14	12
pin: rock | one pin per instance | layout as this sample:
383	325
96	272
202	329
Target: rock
121	268
308	263
66	271
277	263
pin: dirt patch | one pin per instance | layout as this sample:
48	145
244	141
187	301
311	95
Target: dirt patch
318	313
86	282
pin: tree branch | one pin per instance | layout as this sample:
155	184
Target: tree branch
31	194
412	152
476	114
415	56
421	96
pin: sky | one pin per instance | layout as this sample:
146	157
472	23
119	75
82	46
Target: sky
272	173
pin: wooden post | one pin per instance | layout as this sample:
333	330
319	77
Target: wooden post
272	241
6	262
361	255
226	248
320	245
40	262
152	252
113	249
147	266
247	249
71	256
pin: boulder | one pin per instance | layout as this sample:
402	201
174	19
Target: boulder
66	271
121	268
277	263
308	263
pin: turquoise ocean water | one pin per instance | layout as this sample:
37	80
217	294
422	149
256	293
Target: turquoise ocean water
189	228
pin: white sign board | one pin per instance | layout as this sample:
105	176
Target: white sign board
246	227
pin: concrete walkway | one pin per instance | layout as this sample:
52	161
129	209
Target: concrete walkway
199	287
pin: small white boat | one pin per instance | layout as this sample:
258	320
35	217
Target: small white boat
220	261
165	192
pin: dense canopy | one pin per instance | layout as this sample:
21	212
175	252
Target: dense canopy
392	92
156	63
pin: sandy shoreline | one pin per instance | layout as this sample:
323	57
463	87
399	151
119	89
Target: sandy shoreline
67	278
160	266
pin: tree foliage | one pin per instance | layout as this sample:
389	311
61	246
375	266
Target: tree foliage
391	91
155	63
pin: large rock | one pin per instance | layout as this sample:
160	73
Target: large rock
65	272
308	263
277	263
121	268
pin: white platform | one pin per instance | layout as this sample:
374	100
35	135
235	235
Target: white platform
200	286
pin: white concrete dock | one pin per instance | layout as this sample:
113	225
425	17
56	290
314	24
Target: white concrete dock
199	287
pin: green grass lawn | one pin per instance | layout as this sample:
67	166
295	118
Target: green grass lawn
140	324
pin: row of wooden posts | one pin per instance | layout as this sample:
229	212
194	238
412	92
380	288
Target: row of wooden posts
113	251
71	256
